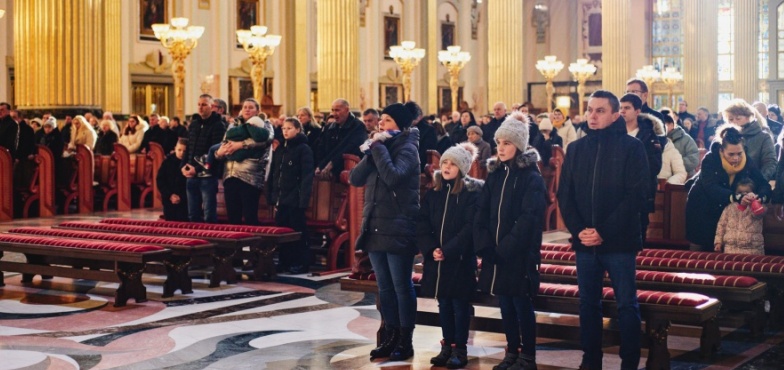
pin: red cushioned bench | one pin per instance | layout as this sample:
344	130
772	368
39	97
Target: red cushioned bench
227	243
681	254
657	309
271	238
184	251
118	262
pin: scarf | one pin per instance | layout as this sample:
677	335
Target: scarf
558	124
733	170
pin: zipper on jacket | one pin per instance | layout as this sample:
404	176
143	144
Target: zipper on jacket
280	172
498	227
441	237
593	188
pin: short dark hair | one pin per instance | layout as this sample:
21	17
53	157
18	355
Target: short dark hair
6	105
704	109
372	111
615	105
634	99
638	81
729	134
745	181
182	141
295	122
207	96
221	104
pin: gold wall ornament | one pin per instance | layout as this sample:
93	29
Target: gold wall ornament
407	56
549	68
259	46
581	70
671	76
454	60
179	39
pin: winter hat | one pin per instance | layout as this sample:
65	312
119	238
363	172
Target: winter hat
545	125
255	121
400	114
475	129
515	129
462	155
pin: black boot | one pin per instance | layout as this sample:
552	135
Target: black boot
459	358
443	356
405	347
391	337
509	359
524	362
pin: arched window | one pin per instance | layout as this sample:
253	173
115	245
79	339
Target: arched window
667	42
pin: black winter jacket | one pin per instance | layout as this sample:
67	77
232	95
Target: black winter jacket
105	143
428	140
712	192
446	221
604	185
337	140
390	175
508	225
53	141
651	132
155	134
202	134
26	142
170	180
291	174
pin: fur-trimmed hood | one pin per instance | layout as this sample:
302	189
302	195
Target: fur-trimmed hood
471	184
657	124
523	159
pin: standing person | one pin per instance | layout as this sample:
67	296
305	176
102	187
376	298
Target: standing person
601	196
155	134
206	129
683	112
8	128
243	179
370	119
740	227
546	140
66	131
176	126
561	122
344	136
703	130
773	124
289	188
445	238
444	141
684	144
427	134
724	165
172	184
508	234
638	87
310	127
757	139
390	173
50	137
461	132
499	115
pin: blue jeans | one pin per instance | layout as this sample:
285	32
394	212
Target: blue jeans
455	317
395	288
519	319
202	190
621	268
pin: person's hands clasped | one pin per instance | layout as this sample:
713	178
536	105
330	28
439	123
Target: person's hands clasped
748	198
438	255
590	237
174	199
188	171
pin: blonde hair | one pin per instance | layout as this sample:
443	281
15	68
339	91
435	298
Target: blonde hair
739	107
310	114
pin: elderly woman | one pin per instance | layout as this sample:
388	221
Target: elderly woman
758	142
81	133
714	186
106	138
133	134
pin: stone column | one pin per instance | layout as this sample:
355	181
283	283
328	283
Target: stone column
615	45
745	84
66	53
700	75
504	51
338	52
112	52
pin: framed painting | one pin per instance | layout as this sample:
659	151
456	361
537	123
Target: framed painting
390	93
447	34
151	12
445	99
247	14
391	33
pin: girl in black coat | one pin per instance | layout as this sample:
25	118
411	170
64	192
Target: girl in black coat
508	236
289	186
445	238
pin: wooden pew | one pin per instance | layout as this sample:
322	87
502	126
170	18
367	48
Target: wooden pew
155	157
79	169
6	185
552	177
41	187
113	174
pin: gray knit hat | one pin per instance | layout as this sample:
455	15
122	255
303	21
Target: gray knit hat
475	129
462	155
515	129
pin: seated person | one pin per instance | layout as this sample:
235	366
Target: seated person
544	142
252	129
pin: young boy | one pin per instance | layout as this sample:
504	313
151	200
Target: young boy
171	184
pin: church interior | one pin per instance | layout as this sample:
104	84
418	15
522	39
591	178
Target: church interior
223	306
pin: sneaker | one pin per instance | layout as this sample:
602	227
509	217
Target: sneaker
509	359
204	173
524	362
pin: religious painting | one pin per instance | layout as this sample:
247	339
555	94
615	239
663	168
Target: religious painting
267	86
391	33
152	12
447	34
445	98
247	14
389	94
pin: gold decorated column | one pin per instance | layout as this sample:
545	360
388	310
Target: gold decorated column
338	52
62	53
112	53
746	18
504	51
700	37
615	45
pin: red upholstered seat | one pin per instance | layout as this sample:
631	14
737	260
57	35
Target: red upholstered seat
155	240
734	266
664	277
667	253
209	234
556	247
80	244
643	296
270	230
558	256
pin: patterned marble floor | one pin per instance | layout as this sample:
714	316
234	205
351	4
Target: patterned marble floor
296	322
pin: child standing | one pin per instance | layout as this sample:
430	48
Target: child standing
508	235
171	184
289	186
444	235
740	227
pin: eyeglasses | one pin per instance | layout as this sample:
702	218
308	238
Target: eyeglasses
635	92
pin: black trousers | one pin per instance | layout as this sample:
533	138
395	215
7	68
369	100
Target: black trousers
175	212
294	253
242	201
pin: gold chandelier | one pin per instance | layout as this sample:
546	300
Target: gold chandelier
179	39
259	47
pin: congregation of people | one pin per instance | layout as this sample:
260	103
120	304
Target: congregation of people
616	157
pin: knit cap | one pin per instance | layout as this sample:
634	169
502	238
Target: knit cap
514	129
462	155
475	129
400	114
545	125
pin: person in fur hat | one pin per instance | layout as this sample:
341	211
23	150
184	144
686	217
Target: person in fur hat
508	234
445	238
650	130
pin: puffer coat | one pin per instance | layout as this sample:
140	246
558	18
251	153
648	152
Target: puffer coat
291	174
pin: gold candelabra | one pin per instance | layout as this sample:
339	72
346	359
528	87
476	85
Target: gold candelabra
179	39
670	77
407	57
549	68
581	70
454	60
649	75
259	47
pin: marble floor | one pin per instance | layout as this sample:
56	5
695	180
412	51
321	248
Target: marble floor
295	322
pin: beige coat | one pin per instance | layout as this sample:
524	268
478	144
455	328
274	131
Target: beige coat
83	136
740	232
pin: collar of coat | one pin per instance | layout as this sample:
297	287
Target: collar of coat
471	184
676	133
299	138
522	160
649	120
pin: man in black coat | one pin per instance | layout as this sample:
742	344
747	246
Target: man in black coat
638	87
343	137
488	130
683	112
428	140
601	195
8	129
155	134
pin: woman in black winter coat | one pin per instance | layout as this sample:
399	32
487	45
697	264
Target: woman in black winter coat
714	186
390	173
106	139
445	238
508	235
289	187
